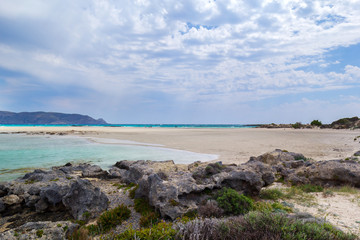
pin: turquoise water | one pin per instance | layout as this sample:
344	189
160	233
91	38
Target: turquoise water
153	125
22	153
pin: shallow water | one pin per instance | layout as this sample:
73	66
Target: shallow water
22	153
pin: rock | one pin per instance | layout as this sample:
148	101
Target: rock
2	206
329	173
94	171
84	197
46	229
11	200
116	172
3	189
357	154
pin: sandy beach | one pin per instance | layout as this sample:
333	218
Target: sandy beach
234	145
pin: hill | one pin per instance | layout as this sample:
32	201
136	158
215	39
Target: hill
47	118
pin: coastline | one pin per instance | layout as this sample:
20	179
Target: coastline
232	145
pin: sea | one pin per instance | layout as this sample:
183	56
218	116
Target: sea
21	153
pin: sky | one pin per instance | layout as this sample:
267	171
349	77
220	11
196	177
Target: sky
189	61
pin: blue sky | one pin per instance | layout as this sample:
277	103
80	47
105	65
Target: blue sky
189	61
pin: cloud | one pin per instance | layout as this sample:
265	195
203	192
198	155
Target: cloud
189	52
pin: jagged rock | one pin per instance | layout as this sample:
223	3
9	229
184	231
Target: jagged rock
84	197
328	173
45	191
94	171
48	230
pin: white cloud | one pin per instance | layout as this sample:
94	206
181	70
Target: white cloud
190	50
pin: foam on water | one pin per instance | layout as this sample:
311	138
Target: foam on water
22	153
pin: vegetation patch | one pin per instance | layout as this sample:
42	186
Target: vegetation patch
161	230
271	194
308	188
233	203
132	191
259	225
110	219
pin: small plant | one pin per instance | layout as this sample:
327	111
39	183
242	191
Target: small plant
192	214
69	178
59	225
328	193
86	215
271	194
149	219
132	191
234	203
316	123
308	188
110	219
174	203
65	228
30	181
210	209
162	230
278	207
39	233
142	206
54	180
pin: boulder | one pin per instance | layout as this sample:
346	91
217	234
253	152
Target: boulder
84	197
94	171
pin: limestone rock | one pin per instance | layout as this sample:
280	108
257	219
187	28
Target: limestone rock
84	197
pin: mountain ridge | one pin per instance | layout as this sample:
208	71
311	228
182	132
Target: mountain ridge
48	118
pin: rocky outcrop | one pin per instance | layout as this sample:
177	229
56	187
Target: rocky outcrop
41	230
59	189
176	189
346	123
297	169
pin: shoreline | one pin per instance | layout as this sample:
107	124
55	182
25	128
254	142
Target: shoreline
232	145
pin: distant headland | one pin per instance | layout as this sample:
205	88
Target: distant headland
47	118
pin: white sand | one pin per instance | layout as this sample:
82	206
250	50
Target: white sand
342	210
232	145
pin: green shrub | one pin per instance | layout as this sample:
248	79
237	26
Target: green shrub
110	219
310	188
271	194
142	206
297	125
161	230
234	203
149	219
39	233
316	123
